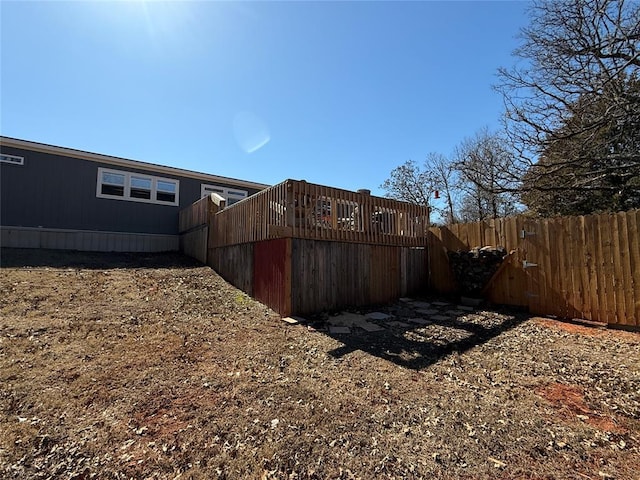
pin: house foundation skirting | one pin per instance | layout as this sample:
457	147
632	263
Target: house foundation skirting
86	240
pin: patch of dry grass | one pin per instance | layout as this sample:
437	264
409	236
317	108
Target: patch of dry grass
162	369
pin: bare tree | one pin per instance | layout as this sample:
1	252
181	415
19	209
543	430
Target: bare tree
573	107
417	184
482	162
410	183
446	180
595	171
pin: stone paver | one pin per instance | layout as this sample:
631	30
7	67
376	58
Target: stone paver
427	311
370	327
398	324
293	320
440	318
421	304
346	319
440	304
339	329
378	316
420	321
471	302
465	308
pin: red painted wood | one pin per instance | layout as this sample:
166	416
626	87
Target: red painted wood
270	263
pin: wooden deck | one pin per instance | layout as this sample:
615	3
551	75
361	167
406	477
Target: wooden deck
301	248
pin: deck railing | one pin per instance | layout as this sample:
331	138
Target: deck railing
304	210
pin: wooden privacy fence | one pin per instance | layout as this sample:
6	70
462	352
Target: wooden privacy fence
193	225
574	267
301	248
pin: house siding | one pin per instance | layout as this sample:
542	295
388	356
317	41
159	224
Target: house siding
52	191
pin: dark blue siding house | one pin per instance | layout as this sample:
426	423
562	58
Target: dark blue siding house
56	197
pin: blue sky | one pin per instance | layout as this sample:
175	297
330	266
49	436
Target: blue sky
335	93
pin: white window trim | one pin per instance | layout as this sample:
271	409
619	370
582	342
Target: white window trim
127	187
11	159
226	192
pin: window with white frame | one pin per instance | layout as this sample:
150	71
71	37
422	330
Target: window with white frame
231	195
13	159
136	187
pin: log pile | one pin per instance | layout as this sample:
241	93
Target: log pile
472	269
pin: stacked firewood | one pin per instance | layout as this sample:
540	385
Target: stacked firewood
473	269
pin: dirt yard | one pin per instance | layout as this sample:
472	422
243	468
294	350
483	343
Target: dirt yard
119	366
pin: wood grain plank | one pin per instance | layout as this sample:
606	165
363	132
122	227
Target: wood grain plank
618	283
591	244
574	256
604	270
624	250
633	224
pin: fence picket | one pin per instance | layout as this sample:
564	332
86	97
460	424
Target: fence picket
618	278
633	223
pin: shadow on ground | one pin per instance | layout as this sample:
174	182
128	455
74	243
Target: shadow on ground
39	258
417	347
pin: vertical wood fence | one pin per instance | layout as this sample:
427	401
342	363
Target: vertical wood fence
574	267
329	275
194	223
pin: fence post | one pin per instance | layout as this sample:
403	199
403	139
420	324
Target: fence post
215	204
290	219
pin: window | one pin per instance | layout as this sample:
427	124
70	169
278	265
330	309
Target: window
4	158
166	191
231	195
140	187
136	187
112	184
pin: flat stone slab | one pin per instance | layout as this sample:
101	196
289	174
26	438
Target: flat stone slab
339	329
421	304
370	327
405	299
440	318
398	324
440	304
455	312
472	302
347	319
293	320
420	321
465	308
427	311
377	316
